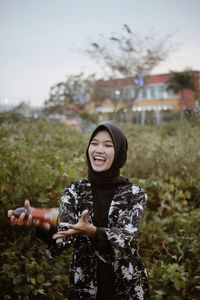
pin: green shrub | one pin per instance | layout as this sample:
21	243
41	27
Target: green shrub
39	158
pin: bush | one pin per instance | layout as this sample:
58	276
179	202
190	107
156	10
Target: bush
39	158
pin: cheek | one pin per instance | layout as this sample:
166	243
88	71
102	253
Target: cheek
89	152
112	155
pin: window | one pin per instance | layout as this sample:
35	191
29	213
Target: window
160	91
144	93
128	92
152	92
170	93
131	92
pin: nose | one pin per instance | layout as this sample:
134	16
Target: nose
99	149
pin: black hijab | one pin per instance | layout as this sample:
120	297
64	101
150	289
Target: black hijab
110	178
104	185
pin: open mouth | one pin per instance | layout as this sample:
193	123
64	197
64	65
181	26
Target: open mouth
99	159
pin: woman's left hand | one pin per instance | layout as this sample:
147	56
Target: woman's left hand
82	227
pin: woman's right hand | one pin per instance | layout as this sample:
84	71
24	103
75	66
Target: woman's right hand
30	221
20	219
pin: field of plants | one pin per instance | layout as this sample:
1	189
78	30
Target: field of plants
39	158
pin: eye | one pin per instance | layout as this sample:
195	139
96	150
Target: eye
109	145
93	143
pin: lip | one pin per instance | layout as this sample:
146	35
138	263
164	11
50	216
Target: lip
98	160
99	157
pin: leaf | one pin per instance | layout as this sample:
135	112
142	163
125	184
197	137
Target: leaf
197	287
72	172
95	45
127	28
42	199
32	280
41	291
40	279
114	39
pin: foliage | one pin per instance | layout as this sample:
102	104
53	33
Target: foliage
67	97
123	54
179	81
39	158
129	54
27	273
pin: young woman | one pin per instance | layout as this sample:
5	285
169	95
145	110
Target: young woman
99	217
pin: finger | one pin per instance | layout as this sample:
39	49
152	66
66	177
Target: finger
13	220
27	203
57	236
67	232
84	216
62	234
71	232
21	219
35	222
74	226
30	220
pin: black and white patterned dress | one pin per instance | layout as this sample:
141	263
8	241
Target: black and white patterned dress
130	279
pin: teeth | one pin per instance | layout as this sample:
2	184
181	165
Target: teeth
99	158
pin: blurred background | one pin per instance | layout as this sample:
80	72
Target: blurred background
64	58
65	67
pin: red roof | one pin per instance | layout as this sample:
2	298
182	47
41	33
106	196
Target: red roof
150	79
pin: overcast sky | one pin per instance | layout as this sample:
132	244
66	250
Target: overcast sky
39	38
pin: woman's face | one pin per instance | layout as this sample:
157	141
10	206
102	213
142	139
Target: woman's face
101	151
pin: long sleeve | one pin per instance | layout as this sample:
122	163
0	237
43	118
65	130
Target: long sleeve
67	215
122	234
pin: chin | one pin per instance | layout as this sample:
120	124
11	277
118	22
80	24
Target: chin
99	169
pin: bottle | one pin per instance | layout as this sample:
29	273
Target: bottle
43	215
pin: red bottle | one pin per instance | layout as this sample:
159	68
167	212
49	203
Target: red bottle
43	215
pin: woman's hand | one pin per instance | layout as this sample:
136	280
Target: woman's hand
20	220
30	221
82	227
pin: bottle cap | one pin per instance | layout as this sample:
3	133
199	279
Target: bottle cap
10	212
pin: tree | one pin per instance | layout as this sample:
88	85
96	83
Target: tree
68	98
180	81
129	55
99	91
69	95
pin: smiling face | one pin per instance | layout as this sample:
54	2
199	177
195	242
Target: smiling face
101	151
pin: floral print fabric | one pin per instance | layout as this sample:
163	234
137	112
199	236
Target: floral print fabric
123	219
